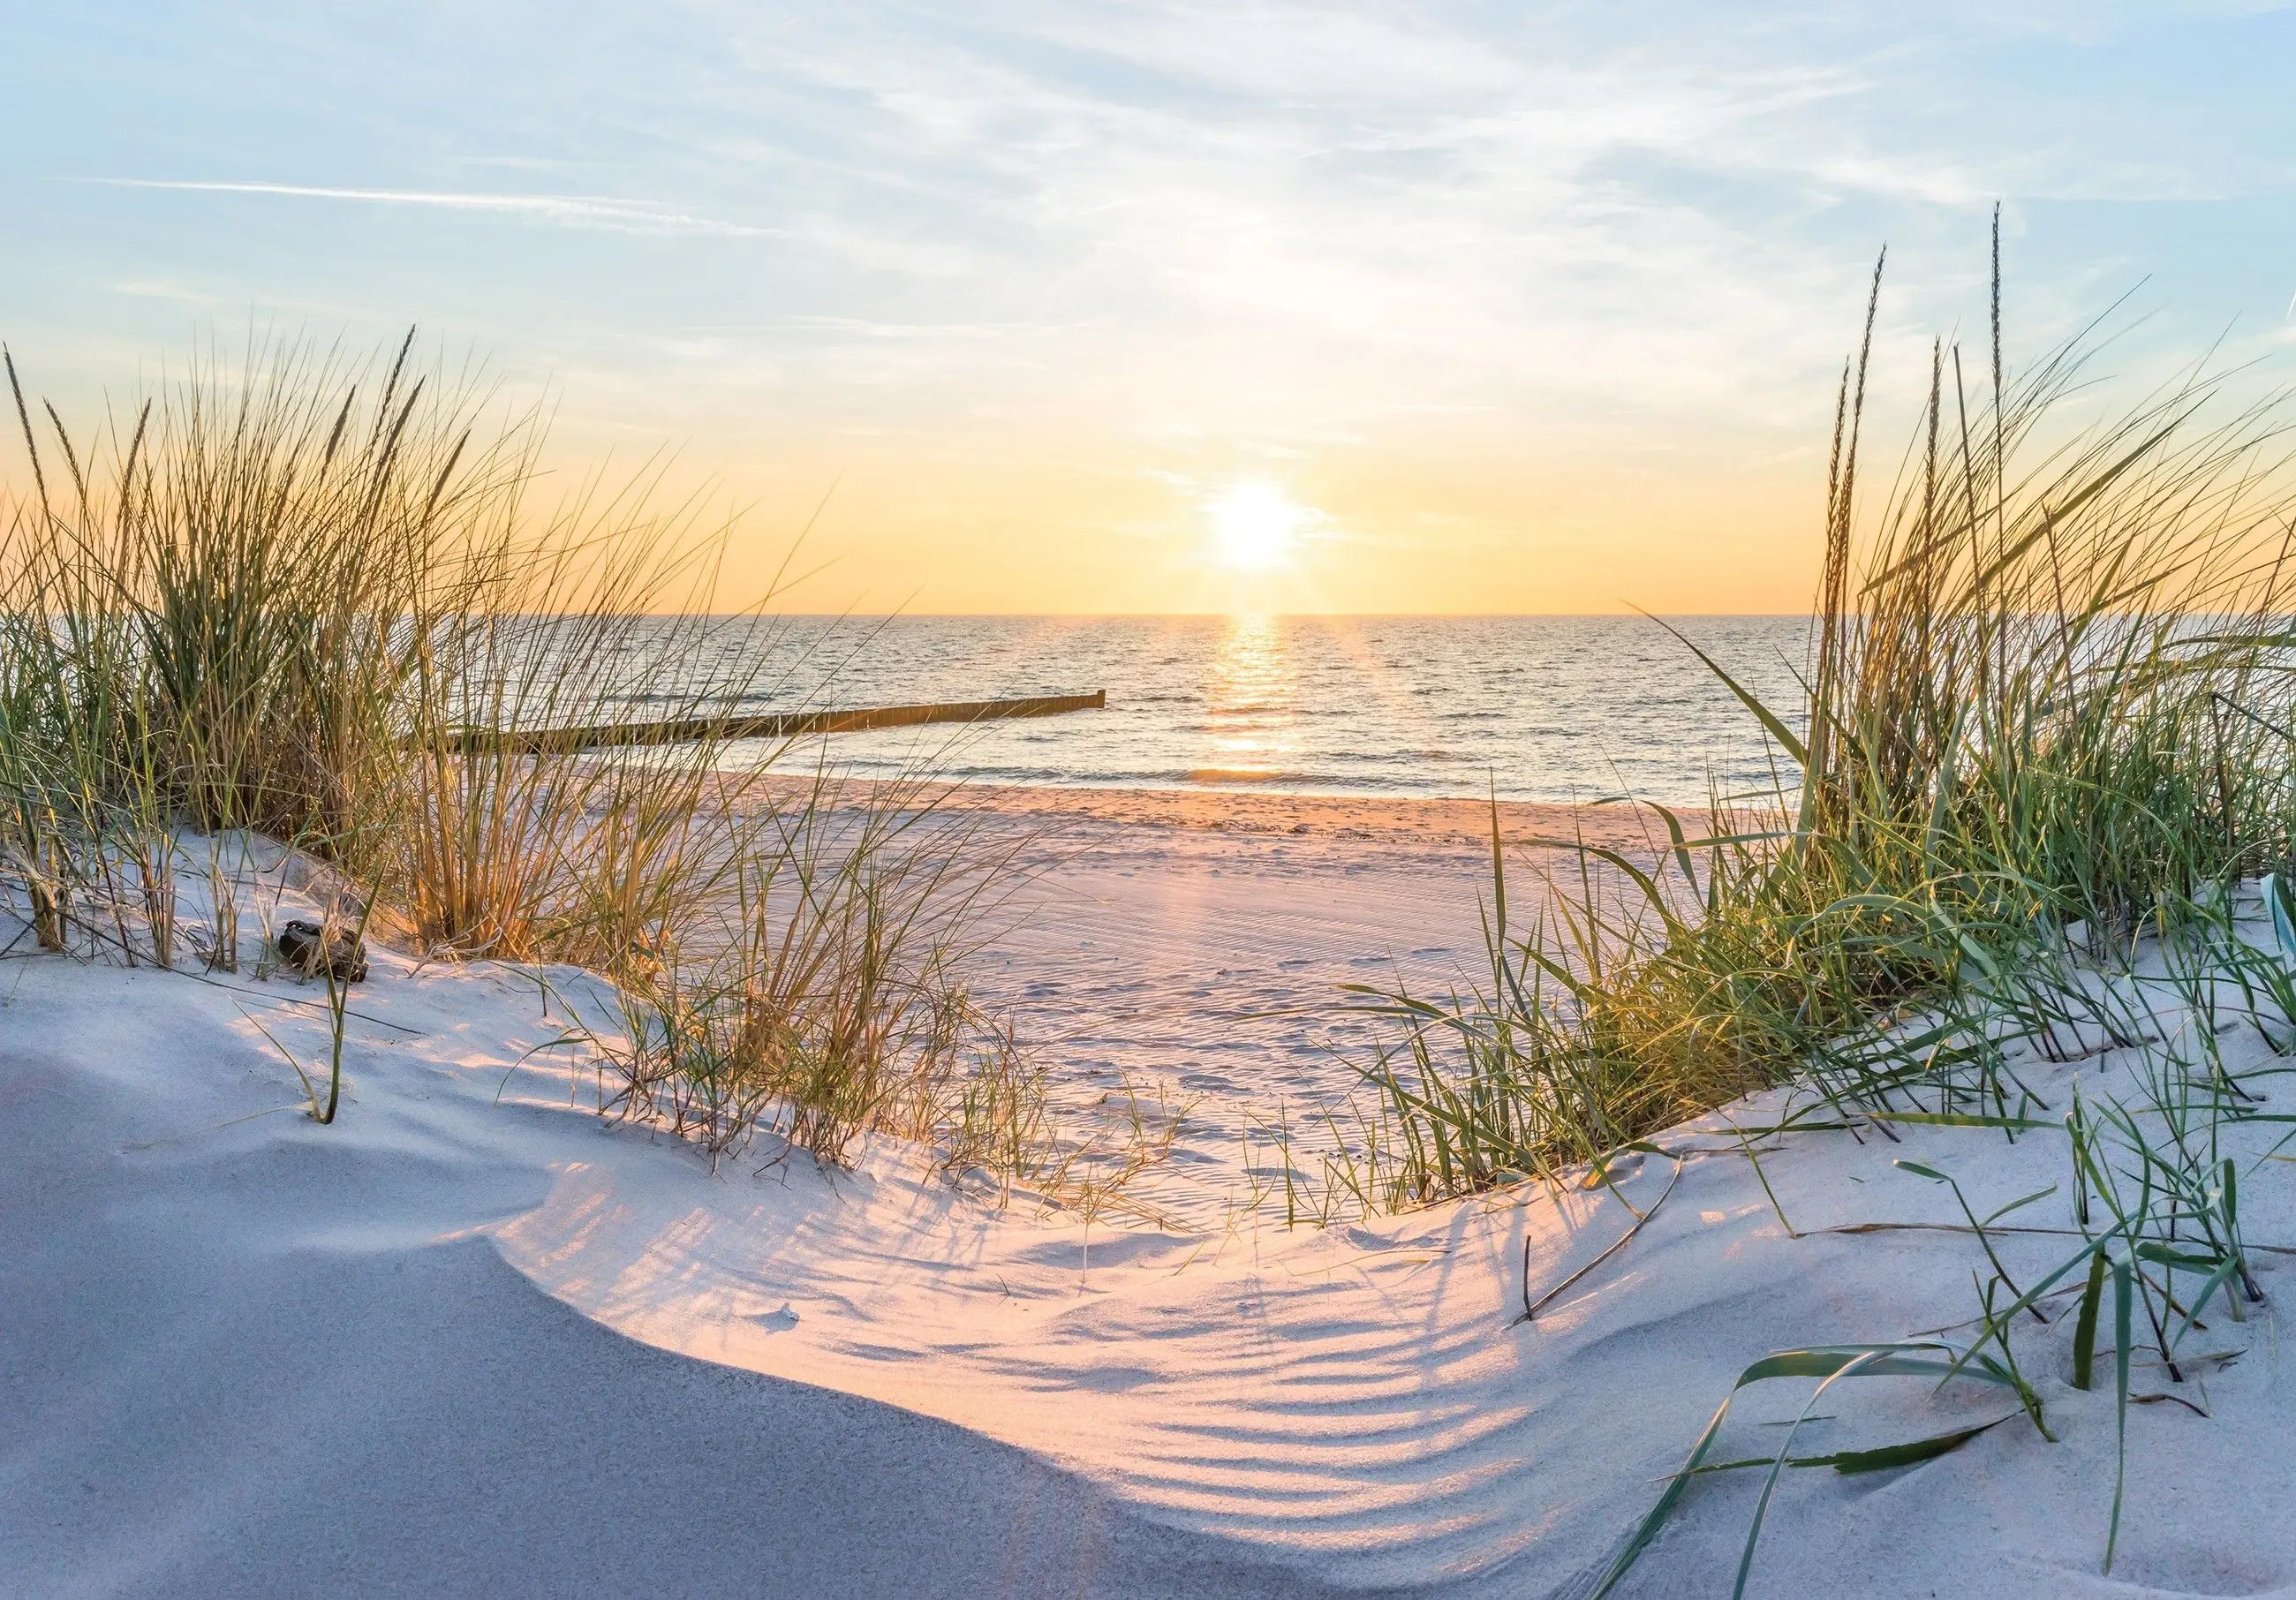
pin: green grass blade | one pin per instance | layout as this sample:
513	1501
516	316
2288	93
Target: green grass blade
2085	1326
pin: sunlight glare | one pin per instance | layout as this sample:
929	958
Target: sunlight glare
1254	525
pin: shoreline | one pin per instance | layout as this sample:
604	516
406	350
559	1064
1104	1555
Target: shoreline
1429	821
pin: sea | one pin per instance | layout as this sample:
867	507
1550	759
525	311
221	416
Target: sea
1563	709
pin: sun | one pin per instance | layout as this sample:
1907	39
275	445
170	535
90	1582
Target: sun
1255	525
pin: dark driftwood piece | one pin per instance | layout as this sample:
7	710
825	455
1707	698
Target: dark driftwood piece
787	725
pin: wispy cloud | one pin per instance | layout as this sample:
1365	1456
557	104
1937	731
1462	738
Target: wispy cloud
864	328
564	210
1545	243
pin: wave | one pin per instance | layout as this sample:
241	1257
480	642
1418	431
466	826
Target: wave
1550	708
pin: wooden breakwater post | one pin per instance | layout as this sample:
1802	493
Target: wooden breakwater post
785	725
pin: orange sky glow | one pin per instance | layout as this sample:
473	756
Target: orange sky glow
1161	307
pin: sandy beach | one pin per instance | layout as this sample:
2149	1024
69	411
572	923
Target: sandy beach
472	1339
1190	946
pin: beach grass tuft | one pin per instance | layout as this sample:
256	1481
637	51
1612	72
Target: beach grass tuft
2045	758
2048	695
301	596
2046	752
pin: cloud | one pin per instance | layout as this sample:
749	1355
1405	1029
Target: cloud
563	211
1280	224
863	328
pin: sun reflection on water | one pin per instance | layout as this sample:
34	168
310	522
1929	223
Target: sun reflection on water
1250	705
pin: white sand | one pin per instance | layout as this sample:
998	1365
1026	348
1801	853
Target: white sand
470	1340
1189	946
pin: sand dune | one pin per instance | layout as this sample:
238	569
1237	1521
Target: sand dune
472	1340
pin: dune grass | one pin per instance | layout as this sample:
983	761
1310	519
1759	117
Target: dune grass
2049	731
277	596
2153	1156
817	1002
2048	692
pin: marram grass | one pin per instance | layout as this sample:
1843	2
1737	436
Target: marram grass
274	596
2049	690
2049	730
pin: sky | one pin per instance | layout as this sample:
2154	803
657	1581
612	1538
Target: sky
1158	308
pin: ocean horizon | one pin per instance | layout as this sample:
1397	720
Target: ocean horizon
1563	709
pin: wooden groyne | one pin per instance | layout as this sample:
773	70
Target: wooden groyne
785	724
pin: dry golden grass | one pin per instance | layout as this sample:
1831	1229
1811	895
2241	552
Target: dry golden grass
295	597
